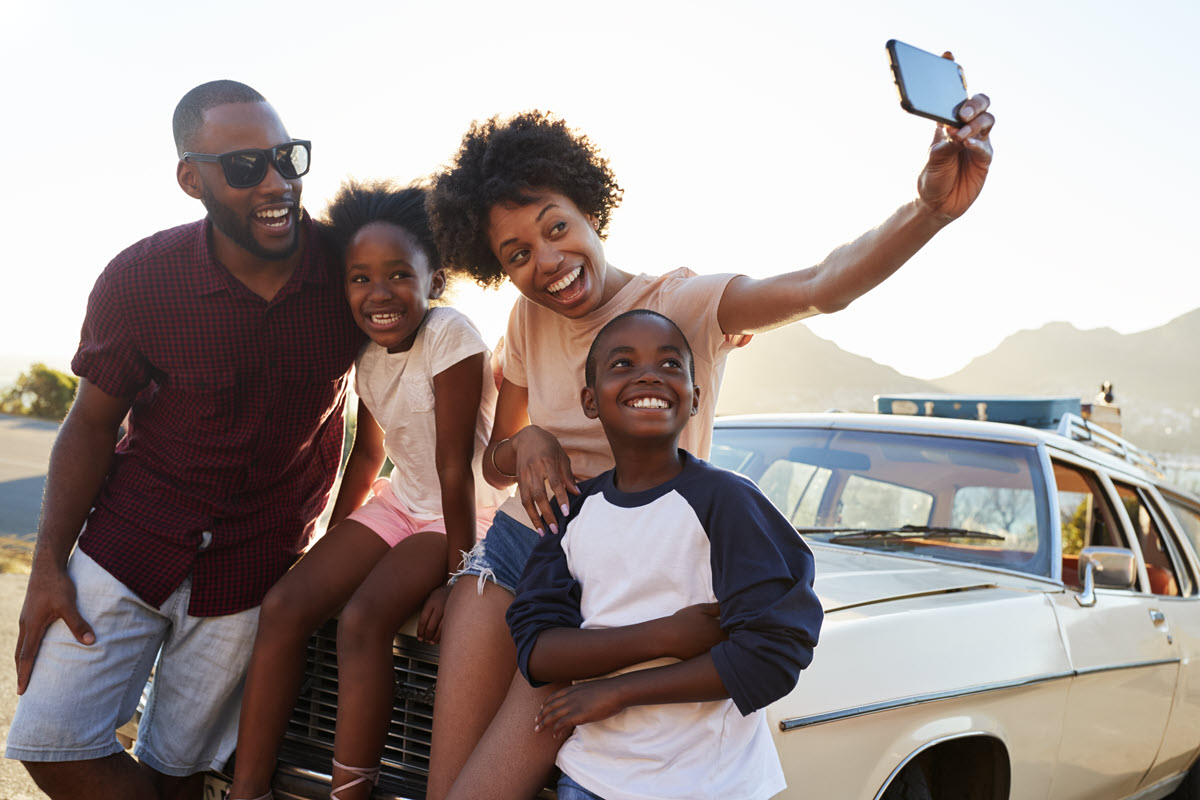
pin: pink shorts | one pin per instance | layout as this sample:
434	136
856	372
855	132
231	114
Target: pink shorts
391	519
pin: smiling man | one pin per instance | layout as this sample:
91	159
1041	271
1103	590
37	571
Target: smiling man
224	345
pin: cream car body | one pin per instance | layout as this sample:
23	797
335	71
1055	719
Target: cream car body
963	654
993	682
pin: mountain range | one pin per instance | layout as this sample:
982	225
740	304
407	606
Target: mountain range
1153	374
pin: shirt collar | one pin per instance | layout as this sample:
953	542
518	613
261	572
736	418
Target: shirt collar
211	277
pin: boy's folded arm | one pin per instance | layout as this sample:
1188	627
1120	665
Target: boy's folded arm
547	608
762	576
695	680
566	654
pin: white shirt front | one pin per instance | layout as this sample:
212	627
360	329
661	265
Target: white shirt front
398	390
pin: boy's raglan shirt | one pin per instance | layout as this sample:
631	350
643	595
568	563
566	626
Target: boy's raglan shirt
707	535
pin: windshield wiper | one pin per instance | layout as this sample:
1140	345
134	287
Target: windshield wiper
902	532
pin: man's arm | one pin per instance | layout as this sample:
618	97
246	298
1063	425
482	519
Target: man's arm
79	463
950	182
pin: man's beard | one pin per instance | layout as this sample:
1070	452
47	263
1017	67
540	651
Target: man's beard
238	229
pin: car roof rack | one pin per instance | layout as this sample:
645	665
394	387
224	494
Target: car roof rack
1078	429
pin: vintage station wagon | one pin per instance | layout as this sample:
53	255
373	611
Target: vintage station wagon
1011	612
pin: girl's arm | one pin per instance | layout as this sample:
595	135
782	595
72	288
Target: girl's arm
457	391
693	681
951	180
456	394
529	456
362	467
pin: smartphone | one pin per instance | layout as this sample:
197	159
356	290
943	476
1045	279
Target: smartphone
930	86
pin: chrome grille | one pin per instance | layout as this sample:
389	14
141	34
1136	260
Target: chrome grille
309	738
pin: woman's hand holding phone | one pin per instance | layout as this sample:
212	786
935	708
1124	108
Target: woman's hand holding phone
959	159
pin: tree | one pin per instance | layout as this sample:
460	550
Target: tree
41	392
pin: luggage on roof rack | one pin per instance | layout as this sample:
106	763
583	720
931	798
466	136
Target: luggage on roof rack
1066	416
1033	412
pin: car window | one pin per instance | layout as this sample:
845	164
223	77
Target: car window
1085	516
1189	520
944	497
795	489
1165	578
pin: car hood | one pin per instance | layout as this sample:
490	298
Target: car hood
849	577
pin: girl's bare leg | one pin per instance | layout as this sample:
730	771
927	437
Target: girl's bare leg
394	591
476	666
302	599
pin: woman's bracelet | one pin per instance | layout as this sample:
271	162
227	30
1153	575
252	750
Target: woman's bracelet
496	466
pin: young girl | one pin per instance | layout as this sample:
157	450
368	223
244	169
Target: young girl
530	200
426	401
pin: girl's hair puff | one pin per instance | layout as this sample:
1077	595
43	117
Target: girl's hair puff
359	203
504	161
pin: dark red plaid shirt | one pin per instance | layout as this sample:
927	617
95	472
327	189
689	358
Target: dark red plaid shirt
235	432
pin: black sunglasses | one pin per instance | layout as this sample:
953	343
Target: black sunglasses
246	168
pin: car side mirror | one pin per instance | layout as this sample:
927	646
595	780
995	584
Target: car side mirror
1106	568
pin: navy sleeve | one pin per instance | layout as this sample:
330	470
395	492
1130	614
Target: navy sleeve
762	577
547	597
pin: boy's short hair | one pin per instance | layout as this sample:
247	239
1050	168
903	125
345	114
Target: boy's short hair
359	203
589	366
502	161
189	113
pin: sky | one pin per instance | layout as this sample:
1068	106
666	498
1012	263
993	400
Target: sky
752	137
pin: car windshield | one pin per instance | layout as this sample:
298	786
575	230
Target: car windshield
952	498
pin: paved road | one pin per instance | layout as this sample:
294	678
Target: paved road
15	783
24	453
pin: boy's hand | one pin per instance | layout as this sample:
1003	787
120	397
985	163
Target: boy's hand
694	630
541	460
429	627
590	701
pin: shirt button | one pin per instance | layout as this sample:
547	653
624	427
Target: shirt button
205	540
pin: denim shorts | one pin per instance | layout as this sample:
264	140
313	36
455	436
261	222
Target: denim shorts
78	695
570	790
502	554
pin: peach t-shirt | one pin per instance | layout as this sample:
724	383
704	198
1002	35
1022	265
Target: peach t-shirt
545	352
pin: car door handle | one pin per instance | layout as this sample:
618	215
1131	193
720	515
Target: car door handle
1160	621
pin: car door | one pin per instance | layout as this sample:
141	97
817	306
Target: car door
1125	663
1174	522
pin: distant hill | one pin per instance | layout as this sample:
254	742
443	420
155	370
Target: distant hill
793	369
1154	374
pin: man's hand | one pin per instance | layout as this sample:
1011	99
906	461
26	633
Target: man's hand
589	701
694	630
958	160
50	596
541	460
429	627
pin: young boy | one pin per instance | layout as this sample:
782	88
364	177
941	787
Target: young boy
661	531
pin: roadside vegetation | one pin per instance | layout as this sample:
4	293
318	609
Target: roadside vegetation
41	392
16	555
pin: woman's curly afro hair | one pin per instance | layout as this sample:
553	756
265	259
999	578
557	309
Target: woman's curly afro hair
505	161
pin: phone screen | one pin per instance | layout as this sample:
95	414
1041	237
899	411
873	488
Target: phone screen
930	86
